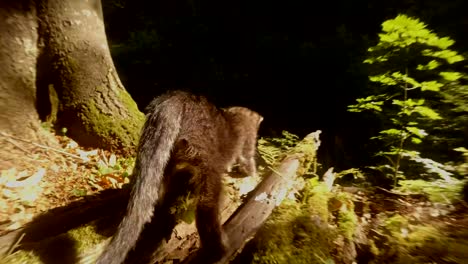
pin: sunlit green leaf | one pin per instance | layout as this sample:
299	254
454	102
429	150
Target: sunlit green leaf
449	55
431	86
455	58
369	103
430	66
450	76
384	79
411	153
392	131
461	149
443	43
427	112
417	131
408	102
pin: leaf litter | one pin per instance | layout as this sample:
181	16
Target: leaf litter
37	177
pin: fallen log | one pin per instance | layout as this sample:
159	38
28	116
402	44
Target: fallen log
269	193
182	245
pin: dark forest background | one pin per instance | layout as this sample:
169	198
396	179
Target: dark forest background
298	63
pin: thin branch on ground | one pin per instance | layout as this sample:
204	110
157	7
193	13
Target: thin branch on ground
42	146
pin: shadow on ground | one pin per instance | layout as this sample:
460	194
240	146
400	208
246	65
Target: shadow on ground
47	236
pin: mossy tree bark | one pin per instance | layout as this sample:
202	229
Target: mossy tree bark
57	66
76	63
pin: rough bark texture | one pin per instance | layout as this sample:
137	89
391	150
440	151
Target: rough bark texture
56	66
18	60
75	62
18	53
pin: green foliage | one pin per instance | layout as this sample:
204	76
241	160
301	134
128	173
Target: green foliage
63	131
272	149
357	173
299	230
402	86
457	96
438	191
120	166
184	208
462	168
430	165
114	171
373	102
452	131
407	241
405	32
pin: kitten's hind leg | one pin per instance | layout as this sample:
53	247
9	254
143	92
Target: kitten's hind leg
207	219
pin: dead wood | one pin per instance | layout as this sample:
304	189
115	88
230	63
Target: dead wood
108	207
269	193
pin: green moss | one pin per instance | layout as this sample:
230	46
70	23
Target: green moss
395	223
342	205
293	240
85	237
297	232
347	223
316	193
124	132
65	245
131	105
307	148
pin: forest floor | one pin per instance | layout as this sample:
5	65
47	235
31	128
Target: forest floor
411	228
36	178
393	227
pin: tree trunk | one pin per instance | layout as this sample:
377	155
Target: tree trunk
75	62
56	66
18	54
